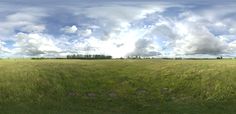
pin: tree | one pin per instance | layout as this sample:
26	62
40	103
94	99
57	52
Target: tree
219	57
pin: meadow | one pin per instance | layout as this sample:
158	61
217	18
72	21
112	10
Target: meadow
117	86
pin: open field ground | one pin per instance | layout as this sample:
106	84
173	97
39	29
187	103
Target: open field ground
117	87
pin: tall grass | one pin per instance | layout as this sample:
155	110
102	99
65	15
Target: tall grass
117	87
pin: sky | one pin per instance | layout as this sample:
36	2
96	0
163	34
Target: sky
120	28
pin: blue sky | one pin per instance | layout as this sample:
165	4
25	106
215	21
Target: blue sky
56	28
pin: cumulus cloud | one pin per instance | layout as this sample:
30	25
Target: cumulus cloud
191	34
35	44
144	28
144	47
70	30
26	20
3	49
118	17
118	45
85	33
196	39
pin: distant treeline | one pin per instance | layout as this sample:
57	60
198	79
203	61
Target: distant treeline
97	56
40	58
80	56
180	58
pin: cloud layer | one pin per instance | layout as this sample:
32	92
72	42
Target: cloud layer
121	28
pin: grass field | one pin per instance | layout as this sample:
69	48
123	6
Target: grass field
117	87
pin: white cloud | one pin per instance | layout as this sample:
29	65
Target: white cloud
189	35
144	47
70	29
27	20
35	44
200	34
32	28
186	34
119	17
85	33
122	13
24	16
119	44
194	38
120	29
3	49
232	30
120	38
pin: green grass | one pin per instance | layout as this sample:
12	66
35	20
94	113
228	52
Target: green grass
117	87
